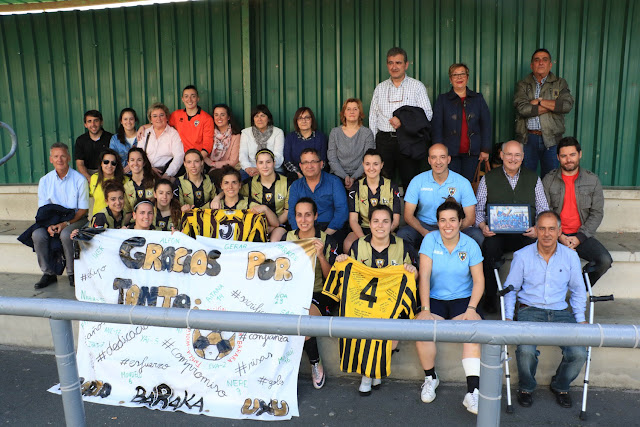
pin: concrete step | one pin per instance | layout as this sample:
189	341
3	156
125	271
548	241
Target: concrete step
611	367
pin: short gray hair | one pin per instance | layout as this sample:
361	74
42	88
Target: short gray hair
549	212
62	145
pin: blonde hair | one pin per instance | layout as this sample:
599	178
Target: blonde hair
343	119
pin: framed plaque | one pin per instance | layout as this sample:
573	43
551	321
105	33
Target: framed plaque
509	217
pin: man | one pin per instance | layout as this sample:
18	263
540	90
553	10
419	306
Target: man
90	144
509	184
323	188
576	195
541	274
541	100
65	187
429	190
399	90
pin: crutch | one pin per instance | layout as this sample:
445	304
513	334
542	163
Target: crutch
501	294
590	267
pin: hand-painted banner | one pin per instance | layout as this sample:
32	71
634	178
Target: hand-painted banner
216	373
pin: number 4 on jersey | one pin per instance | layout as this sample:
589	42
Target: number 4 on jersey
370	297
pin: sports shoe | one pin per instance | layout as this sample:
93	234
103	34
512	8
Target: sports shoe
365	386
471	401
317	374
429	387
376	383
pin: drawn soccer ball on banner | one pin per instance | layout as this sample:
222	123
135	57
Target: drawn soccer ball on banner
213	345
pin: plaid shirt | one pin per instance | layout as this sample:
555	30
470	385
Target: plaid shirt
481	207
534	122
387	98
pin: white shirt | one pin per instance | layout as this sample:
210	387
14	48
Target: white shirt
249	147
164	149
387	98
72	191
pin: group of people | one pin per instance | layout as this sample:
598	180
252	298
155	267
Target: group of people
340	191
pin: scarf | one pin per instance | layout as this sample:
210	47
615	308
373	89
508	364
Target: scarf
221	143
261	137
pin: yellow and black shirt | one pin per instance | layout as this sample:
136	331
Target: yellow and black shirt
242	203
397	253
162	223
374	293
187	193
275	198
330	253
105	219
361	198
133	193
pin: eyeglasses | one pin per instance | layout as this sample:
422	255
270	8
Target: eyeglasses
304	118
310	162
106	162
157	116
459	75
396	96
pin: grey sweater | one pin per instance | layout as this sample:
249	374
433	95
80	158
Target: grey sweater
345	154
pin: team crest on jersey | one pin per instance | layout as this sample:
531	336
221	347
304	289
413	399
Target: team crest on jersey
198	194
462	256
268	197
140	193
374	202
196	123
379	263
452	191
162	224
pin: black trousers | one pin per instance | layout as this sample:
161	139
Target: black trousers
493	249
387	145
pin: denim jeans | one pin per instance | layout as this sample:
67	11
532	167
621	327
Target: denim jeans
535	150
573	357
414	238
465	165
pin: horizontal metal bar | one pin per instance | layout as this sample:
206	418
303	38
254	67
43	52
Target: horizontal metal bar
484	332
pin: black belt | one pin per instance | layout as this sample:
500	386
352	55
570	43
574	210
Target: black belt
391	134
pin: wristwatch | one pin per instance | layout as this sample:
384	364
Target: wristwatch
68	223
539	101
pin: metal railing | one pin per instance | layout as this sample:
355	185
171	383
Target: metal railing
490	333
14	143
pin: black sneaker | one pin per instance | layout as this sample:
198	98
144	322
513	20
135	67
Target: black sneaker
45	281
72	281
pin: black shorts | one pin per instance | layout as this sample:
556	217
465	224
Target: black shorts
448	309
324	303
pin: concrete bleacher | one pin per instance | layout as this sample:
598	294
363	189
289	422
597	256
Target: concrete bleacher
619	232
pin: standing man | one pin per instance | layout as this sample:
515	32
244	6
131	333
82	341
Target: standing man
541	100
90	144
576	195
541	274
323	188
67	189
509	184
428	191
399	90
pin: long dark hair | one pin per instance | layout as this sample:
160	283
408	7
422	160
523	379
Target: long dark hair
147	173
235	128
174	205
118	174
120	132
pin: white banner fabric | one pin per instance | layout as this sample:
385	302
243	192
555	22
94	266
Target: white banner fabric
216	373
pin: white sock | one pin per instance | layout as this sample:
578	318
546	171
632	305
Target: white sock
471	366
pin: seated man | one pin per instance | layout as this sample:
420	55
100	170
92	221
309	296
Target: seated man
323	188
576	195
541	274
68	189
428	190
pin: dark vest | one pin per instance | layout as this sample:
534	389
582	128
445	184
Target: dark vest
499	190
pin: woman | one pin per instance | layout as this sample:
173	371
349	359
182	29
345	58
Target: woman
110	168
226	143
230	198
261	134
162	143
125	137
194	189
450	286
462	122
142	216
167	213
271	189
306	212
305	135
348	143
111	216
378	250
367	192
142	179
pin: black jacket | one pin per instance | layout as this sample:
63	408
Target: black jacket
414	135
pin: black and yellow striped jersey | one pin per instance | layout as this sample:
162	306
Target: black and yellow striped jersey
376	293
133	193
105	219
225	224
162	223
188	193
275	198
397	253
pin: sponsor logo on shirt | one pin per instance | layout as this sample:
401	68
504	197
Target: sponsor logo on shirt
437	252
393	262
280	197
385	201
426	189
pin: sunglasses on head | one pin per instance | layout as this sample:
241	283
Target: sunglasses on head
106	162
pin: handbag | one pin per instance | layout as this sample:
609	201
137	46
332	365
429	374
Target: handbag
479	174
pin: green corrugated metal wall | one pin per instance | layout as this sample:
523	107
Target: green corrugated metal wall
318	53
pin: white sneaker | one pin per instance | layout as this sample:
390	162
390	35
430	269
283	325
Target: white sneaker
471	402
365	386
377	382
429	387
317	375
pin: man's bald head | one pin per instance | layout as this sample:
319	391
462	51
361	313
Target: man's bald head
439	146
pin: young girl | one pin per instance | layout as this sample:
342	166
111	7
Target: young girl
112	215
194	189
125	137
110	168
143	215
167	213
141	184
